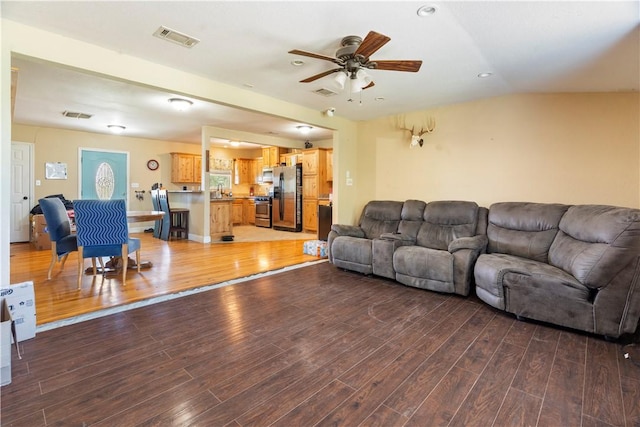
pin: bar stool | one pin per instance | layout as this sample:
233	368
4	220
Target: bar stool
179	223
175	221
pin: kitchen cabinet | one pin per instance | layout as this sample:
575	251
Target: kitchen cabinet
329	163
314	186
243	171
237	209
271	156
257	166
250	212
220	219
185	168
310	215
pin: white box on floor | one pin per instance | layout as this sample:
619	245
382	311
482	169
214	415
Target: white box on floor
6	333
21	301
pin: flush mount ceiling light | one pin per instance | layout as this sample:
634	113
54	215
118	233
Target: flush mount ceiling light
304	129
180	104
484	75
426	10
297	62
117	129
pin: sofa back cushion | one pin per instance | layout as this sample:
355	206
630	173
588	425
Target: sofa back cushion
412	213
595	242
523	229
445	221
380	216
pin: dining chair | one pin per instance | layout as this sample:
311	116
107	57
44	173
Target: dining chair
157	228
63	242
103	231
175	220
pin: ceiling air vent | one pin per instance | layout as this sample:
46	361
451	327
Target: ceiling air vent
325	92
75	115
176	37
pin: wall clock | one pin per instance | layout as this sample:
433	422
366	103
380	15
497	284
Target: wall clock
153	164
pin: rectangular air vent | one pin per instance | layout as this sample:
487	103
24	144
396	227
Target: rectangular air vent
75	115
325	92
176	37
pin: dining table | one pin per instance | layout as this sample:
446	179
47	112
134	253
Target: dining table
115	263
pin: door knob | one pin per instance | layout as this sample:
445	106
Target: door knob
25	198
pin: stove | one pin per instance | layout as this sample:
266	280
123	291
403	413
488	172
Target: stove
263	211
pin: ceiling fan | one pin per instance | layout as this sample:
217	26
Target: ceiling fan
353	58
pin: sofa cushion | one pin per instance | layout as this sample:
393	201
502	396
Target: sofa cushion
523	229
380	217
595	242
495	272
445	221
352	253
412	213
424	268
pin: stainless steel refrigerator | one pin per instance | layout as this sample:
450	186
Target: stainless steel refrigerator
287	198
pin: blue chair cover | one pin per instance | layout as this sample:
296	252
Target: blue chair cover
59	229
102	228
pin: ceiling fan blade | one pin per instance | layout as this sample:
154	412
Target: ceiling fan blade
372	84
319	76
371	43
314	55
411	66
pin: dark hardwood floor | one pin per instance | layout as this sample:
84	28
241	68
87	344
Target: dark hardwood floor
319	346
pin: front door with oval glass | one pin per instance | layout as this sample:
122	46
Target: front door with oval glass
103	174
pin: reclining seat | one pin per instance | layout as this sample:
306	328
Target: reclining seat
350	246
386	245
448	244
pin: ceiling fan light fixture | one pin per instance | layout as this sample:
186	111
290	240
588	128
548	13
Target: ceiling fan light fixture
116	129
340	79
304	129
180	104
359	80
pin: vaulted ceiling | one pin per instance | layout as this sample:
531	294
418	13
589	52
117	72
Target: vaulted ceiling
537	46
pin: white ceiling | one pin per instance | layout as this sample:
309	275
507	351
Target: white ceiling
537	46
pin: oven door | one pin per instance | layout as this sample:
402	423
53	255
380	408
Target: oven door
263	213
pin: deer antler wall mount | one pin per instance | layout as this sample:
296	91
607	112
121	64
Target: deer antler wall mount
416	136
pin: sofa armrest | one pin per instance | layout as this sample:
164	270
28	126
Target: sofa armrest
402	238
475	243
348	230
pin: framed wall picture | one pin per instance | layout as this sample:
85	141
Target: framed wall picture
55	170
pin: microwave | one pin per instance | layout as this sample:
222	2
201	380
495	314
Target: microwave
267	175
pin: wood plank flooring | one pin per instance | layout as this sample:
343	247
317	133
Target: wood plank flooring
178	265
318	346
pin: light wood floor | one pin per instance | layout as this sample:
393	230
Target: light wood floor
177	265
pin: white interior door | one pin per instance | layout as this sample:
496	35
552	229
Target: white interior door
21	197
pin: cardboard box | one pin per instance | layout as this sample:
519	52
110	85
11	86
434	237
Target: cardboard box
20	299
7	333
316	248
40	233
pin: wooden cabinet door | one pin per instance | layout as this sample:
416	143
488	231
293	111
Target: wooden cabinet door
310	162
185	168
258	170
310	187
197	169
310	215
220	219
274	156
329	165
236	214
250	212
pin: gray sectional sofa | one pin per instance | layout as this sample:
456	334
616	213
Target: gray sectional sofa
574	266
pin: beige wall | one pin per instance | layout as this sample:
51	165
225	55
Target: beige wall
566	148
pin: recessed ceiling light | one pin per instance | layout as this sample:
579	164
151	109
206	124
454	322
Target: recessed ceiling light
304	129
180	104
117	129
426	10
485	75
249	85
379	98
297	62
